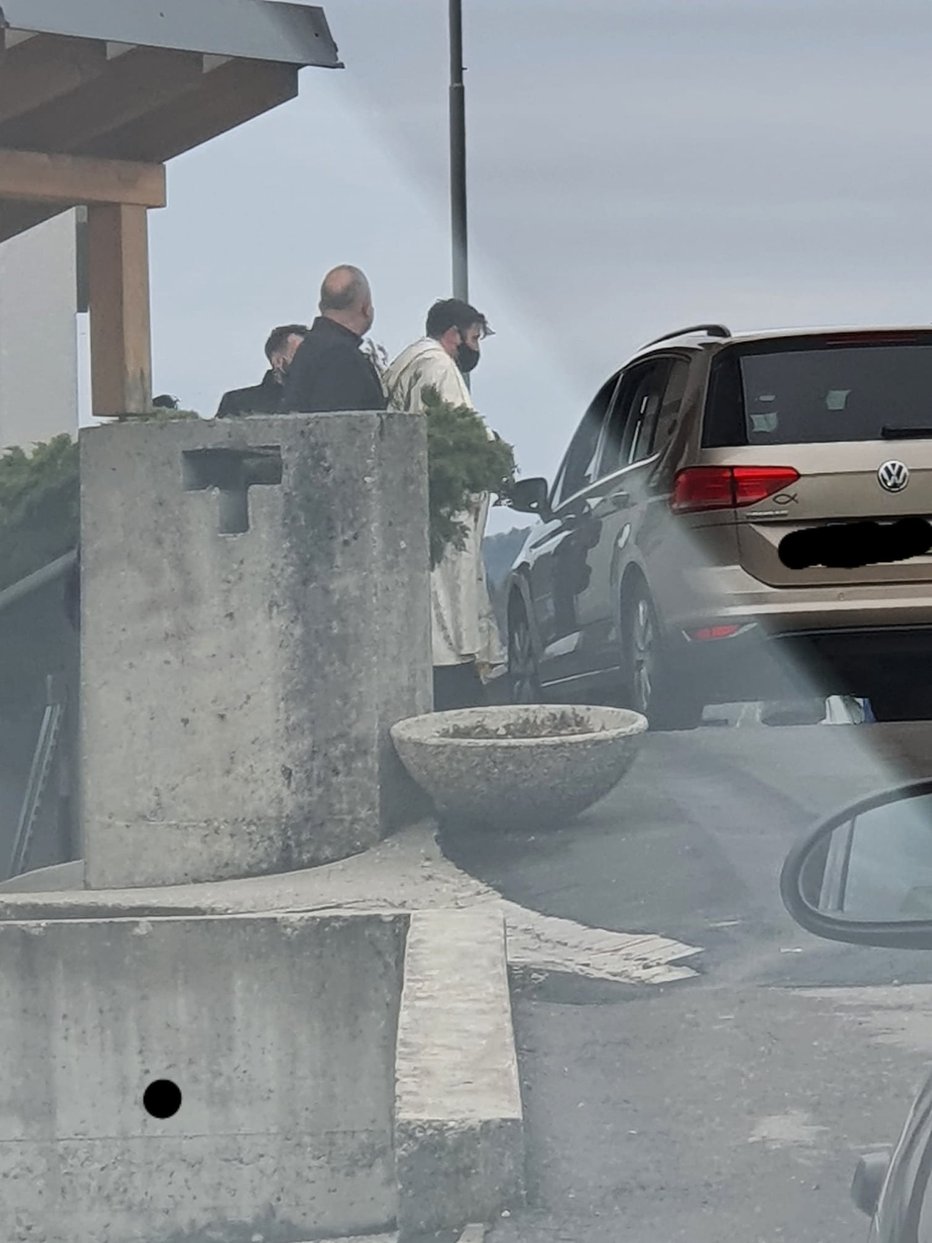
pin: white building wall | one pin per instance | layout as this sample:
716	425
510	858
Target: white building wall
38	335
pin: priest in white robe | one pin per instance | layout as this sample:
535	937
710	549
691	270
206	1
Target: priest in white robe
465	636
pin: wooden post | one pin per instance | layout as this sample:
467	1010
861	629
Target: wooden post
118	281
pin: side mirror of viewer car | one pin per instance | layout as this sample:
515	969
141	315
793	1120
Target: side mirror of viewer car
865	874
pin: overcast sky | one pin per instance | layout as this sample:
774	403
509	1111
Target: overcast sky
634	165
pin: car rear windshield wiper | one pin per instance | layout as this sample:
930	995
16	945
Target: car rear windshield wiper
906	433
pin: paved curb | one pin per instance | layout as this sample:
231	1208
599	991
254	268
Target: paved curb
459	1126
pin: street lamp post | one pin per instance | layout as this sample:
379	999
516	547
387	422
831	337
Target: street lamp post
460	236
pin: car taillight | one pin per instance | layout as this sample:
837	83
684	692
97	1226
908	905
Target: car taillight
706	633
727	487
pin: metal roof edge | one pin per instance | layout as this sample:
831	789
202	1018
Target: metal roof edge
265	30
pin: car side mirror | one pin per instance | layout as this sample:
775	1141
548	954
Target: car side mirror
531	496
865	874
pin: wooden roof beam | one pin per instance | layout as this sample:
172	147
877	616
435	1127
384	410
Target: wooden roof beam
118	277
46	69
234	93
35	177
130	87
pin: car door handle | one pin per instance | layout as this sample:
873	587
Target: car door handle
621	498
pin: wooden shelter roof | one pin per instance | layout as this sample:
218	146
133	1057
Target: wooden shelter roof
136	82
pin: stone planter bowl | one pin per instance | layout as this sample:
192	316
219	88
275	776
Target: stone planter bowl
519	766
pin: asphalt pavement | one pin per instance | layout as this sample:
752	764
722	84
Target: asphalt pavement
733	1105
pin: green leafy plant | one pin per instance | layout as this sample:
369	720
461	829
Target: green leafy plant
39	507
40	501
40	490
463	463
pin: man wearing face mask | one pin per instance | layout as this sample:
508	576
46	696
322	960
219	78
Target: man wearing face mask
465	639
265	398
440	359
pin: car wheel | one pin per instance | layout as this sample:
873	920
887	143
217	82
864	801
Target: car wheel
650	688
523	669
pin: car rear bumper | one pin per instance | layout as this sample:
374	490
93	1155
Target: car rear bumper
712	593
843	640
756	664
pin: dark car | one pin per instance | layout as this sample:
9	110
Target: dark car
726	502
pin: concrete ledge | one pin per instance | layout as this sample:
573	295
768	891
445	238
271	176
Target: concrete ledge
459	1130
279	1032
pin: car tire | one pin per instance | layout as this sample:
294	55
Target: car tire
523	669
649	687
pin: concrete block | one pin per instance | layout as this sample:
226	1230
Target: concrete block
246	650
278	1030
459	1130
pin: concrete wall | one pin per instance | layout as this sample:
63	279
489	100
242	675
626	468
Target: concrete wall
38	334
237	689
280	1033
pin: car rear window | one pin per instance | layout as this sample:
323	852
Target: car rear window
788	394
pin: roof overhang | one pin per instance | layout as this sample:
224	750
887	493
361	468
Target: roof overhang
291	34
137	81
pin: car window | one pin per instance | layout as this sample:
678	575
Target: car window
579	464
660	409
670	406
633	422
824	394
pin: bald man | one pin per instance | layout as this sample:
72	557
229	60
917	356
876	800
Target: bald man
330	372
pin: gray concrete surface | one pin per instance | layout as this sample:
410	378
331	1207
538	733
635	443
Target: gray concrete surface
407	872
691	844
800	1054
459	1127
732	1105
700	1114
238	688
455	1141
280	1034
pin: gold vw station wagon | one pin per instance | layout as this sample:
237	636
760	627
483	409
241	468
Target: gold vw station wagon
737	518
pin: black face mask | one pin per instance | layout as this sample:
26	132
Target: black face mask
467	359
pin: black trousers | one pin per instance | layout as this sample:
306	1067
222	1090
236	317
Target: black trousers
457	686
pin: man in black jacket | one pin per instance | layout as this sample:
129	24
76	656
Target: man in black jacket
330	372
265	398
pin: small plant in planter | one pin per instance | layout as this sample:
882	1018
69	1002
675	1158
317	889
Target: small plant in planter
464	462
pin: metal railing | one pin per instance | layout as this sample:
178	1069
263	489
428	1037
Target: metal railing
41	769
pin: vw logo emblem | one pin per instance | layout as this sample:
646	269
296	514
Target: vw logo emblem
893	476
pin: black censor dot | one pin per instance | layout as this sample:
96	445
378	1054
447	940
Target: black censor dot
850	544
162	1099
